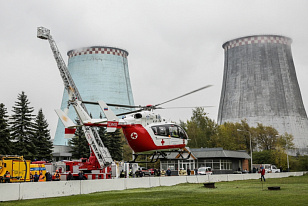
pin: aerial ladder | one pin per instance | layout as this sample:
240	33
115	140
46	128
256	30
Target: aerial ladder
101	152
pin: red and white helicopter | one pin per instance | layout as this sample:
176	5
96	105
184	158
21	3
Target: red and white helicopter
144	130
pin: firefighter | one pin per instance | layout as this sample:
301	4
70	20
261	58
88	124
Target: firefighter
57	176
41	177
31	177
7	177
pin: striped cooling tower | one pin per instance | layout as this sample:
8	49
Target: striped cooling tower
260	85
100	73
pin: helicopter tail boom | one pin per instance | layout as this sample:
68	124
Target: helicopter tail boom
113	120
69	125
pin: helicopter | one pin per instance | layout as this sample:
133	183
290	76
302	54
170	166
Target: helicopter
145	131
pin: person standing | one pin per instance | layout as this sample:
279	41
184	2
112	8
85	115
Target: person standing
262	172
48	176
69	176
57	176
41	177
80	175
168	172
188	171
7	177
36	177
196	171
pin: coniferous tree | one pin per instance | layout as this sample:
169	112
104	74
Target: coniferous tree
103	135
42	138
5	148
79	145
115	146
22	128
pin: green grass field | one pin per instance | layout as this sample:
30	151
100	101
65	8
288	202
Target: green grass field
294	191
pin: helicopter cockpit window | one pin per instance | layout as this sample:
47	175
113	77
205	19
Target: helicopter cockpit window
182	133
169	131
154	130
162	131
173	130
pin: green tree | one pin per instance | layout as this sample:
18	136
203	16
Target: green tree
267	137
227	137
22	128
285	141
79	145
5	141
200	129
115	145
42	137
263	157
299	163
103	135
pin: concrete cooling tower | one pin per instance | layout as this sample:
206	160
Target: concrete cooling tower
260	85
100	73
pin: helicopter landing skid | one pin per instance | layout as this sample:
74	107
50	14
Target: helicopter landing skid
155	156
180	155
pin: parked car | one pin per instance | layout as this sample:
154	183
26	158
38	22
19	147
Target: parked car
205	171
151	171
145	171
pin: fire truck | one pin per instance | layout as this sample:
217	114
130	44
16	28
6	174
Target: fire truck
96	167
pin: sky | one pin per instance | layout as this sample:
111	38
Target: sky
174	46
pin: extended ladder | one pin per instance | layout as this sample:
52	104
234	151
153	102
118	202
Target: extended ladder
101	152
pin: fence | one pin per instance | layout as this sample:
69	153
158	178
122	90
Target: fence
33	190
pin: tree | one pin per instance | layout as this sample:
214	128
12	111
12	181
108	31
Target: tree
200	128
22	128
285	141
5	142
42	138
115	145
228	137
79	145
263	157
103	135
266	137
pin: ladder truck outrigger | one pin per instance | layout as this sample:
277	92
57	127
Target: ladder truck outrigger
97	147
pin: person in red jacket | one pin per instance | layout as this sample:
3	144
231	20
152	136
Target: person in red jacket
262	172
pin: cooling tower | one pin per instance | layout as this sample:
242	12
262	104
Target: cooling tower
260	85
100	73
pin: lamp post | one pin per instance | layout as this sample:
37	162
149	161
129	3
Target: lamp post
288	155
250	148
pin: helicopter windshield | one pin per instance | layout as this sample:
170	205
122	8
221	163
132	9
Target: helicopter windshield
169	130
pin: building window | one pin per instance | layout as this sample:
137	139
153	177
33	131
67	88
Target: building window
173	165
216	164
226	164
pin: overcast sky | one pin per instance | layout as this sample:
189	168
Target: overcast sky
174	46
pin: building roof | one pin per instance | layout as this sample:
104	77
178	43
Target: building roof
213	153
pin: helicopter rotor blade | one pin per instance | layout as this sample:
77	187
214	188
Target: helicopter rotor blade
182	107
184	95
112	105
140	110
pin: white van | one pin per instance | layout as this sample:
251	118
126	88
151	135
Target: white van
205	171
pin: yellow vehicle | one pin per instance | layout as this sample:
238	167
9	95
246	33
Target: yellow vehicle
38	168
16	166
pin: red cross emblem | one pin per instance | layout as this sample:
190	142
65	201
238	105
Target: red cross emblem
134	135
162	142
